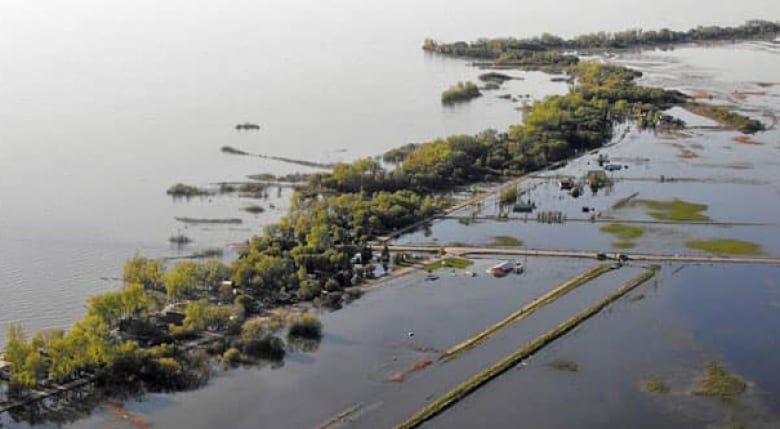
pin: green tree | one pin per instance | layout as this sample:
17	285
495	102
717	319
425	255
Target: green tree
182	279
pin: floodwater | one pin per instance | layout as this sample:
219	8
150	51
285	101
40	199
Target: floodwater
106	106
693	315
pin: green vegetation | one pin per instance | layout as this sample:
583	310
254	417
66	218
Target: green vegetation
181	190
726	246
623	231
506	240
457	263
626	234
495	77
654	385
471	384
508	195
352	293
675	210
634	38
564	365
719	383
527	309
254	209
306	326
726	117
462	91
307	254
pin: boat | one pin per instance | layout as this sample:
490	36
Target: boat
502	268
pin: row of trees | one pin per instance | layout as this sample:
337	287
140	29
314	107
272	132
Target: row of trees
634	38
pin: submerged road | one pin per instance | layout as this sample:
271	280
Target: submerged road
650	257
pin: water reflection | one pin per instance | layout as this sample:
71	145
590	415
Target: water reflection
112	390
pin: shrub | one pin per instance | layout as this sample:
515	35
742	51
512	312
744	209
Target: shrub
307	326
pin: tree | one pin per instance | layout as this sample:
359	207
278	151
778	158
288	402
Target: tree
144	271
19	353
182	279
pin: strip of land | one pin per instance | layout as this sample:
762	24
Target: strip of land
528	309
476	381
649	257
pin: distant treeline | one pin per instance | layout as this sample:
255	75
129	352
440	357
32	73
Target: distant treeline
528	50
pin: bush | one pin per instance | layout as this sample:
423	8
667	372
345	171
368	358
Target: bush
307	326
231	357
460	92
353	293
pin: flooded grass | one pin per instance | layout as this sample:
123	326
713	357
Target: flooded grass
506	240
675	210
626	234
457	263
624	245
726	245
623	231
564	365
717	382
655	385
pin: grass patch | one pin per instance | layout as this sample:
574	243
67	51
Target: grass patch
458	263
676	210
625	234
654	385
506	240
564	365
719	383
726	117
726	245
623	245
623	231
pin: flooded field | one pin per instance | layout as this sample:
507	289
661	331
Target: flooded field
378	362
692	315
